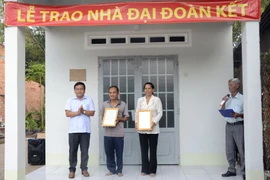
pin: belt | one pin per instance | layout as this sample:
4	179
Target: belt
236	123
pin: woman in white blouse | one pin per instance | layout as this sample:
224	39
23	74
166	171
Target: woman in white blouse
149	138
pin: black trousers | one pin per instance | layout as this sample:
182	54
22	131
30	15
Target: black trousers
149	140
76	139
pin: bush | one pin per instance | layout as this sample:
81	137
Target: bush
33	121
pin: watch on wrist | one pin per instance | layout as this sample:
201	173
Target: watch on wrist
84	112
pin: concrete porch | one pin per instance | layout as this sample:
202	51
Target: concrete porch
130	172
164	172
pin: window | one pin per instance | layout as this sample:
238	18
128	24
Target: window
177	38
157	39
137	40
145	39
118	40
98	41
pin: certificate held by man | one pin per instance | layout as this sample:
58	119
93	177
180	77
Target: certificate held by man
145	120
110	117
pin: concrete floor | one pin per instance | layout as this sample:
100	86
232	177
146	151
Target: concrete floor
42	172
132	172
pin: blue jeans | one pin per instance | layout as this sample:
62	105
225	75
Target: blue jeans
114	146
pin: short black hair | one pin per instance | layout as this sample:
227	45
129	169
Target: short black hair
79	83
117	89
149	83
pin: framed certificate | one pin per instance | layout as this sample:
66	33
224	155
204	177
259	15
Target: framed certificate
110	116
144	120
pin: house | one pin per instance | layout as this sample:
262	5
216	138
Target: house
189	63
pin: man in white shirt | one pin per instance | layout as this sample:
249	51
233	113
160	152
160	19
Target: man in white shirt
234	128
79	109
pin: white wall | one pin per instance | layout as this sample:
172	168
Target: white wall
204	70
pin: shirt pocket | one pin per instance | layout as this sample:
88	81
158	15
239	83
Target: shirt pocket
86	106
238	107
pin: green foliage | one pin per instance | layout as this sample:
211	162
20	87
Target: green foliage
30	123
36	72
236	33
237	25
264	4
33	120
35	62
34	46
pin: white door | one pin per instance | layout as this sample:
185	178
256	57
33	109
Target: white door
130	74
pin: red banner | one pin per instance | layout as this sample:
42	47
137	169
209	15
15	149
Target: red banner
19	14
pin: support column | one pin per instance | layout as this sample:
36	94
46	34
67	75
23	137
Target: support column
252	101
15	103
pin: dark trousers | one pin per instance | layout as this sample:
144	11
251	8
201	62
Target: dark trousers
114	146
235	139
76	139
149	140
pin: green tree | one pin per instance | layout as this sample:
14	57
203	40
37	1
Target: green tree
34	45
236	33
36	72
237	25
34	55
264	4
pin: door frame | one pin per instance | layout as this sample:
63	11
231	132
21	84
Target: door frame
137	95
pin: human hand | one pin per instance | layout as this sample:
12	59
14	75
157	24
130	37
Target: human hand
153	124
117	120
225	98
235	115
80	110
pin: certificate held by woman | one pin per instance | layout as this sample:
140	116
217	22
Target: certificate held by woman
145	122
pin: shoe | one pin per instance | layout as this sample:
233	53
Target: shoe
71	175
120	174
143	174
244	177
152	175
228	174
85	173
